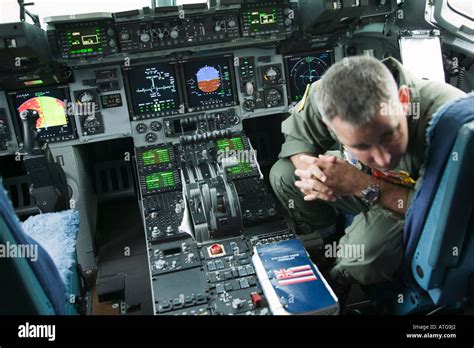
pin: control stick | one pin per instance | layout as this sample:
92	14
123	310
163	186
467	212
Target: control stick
49	187
28	122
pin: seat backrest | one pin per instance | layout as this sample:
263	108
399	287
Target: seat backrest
443	261
29	286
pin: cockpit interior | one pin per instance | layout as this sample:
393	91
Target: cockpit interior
142	147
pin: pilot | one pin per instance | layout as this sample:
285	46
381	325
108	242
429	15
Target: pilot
355	145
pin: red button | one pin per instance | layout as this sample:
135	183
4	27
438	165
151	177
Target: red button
216	249
256	299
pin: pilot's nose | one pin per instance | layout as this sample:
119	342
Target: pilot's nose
381	158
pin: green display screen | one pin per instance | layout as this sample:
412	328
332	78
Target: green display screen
159	180
235	143
242	168
262	20
84	40
156	156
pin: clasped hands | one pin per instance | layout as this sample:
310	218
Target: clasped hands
328	177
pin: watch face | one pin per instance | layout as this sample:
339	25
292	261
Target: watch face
371	194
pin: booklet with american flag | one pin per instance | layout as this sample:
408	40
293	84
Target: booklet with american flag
291	282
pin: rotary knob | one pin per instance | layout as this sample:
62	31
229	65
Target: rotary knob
174	34
232	23
249	88
156	232
124	36
155	126
145	37
141	128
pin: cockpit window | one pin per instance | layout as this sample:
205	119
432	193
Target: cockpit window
9	9
462	7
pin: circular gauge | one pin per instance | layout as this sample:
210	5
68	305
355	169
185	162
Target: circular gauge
208	79
85	97
249	105
234	120
141	128
271	75
91	122
305	71
150	137
273	97
155	126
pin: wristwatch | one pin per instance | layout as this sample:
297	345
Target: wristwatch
371	193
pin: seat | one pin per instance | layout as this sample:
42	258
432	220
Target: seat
439	255
31	285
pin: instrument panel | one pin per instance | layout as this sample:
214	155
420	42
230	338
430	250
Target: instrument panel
153	91
55	123
302	69
157	102
132	74
89	38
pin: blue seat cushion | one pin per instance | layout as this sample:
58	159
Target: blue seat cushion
56	233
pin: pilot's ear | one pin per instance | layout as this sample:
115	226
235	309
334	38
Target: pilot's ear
404	97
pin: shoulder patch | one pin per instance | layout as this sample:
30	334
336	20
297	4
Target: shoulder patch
305	97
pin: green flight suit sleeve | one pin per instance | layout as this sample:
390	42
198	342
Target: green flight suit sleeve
304	129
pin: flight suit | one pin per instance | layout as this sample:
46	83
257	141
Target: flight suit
379	230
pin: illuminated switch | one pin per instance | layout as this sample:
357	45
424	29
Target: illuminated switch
216	249
256	299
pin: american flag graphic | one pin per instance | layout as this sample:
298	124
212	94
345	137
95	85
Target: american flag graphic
294	275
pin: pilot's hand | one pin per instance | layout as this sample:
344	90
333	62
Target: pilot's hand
313	180
340	179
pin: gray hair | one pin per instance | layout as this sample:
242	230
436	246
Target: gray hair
355	89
